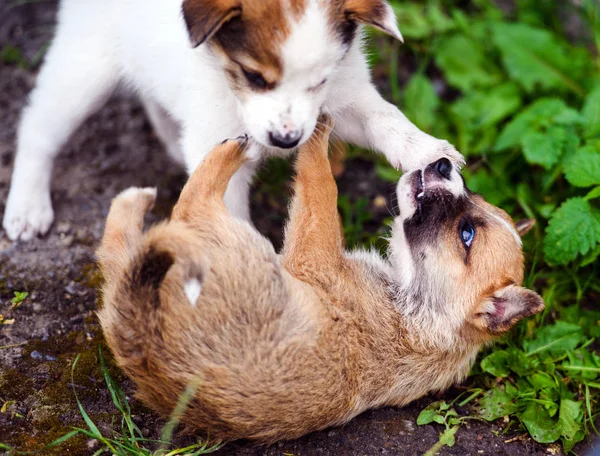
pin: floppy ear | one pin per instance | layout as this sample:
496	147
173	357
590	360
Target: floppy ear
377	13
524	226
204	18
506	307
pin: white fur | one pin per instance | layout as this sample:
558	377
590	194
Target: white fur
145	45
192	289
509	227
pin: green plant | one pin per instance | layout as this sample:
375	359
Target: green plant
518	93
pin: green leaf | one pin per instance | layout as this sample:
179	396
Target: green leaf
591	113
555	339
534	57
542	428
464	64
421	102
583	168
520	363
429	413
498	402
569	422
544	149
496	364
483	109
573	229
412	21
593	194
535	118
447	438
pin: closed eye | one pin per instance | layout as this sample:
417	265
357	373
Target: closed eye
318	86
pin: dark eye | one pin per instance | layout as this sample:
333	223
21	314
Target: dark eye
255	79
467	234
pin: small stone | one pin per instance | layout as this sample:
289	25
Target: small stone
63	227
91	444
36	355
37	307
67	241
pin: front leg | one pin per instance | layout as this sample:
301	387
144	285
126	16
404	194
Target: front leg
371	122
202	195
197	141
314	242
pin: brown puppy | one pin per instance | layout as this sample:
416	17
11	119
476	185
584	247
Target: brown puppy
281	345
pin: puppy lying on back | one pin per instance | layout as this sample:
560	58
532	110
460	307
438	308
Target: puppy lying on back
281	345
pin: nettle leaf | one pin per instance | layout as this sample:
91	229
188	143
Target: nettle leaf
591	113
496	364
463	63
573	229
537	117
544	148
540	425
555	339
421	102
483	109
535	57
583	168
498	402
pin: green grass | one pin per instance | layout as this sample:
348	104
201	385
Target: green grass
126	438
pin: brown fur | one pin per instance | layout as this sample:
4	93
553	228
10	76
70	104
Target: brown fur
248	34
281	345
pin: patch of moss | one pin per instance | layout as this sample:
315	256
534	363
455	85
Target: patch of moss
15	385
91	276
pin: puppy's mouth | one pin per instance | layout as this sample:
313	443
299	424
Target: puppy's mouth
418	191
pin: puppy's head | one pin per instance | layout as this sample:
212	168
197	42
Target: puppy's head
281	56
459	259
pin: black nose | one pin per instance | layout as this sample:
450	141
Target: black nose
443	167
286	141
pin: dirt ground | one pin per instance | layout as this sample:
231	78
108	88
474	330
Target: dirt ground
116	149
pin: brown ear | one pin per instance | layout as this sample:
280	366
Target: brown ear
524	226
377	13
204	18
508	306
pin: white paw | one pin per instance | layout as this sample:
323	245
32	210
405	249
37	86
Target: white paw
424	149
27	215
134	194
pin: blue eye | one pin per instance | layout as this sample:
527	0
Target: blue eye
467	233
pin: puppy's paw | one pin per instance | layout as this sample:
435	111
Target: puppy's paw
424	149
27	215
144	197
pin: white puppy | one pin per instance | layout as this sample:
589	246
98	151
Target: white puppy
262	67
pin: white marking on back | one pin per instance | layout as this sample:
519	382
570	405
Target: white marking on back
192	289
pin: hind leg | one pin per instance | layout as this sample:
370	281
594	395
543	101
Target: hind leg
77	77
123	229
203	195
